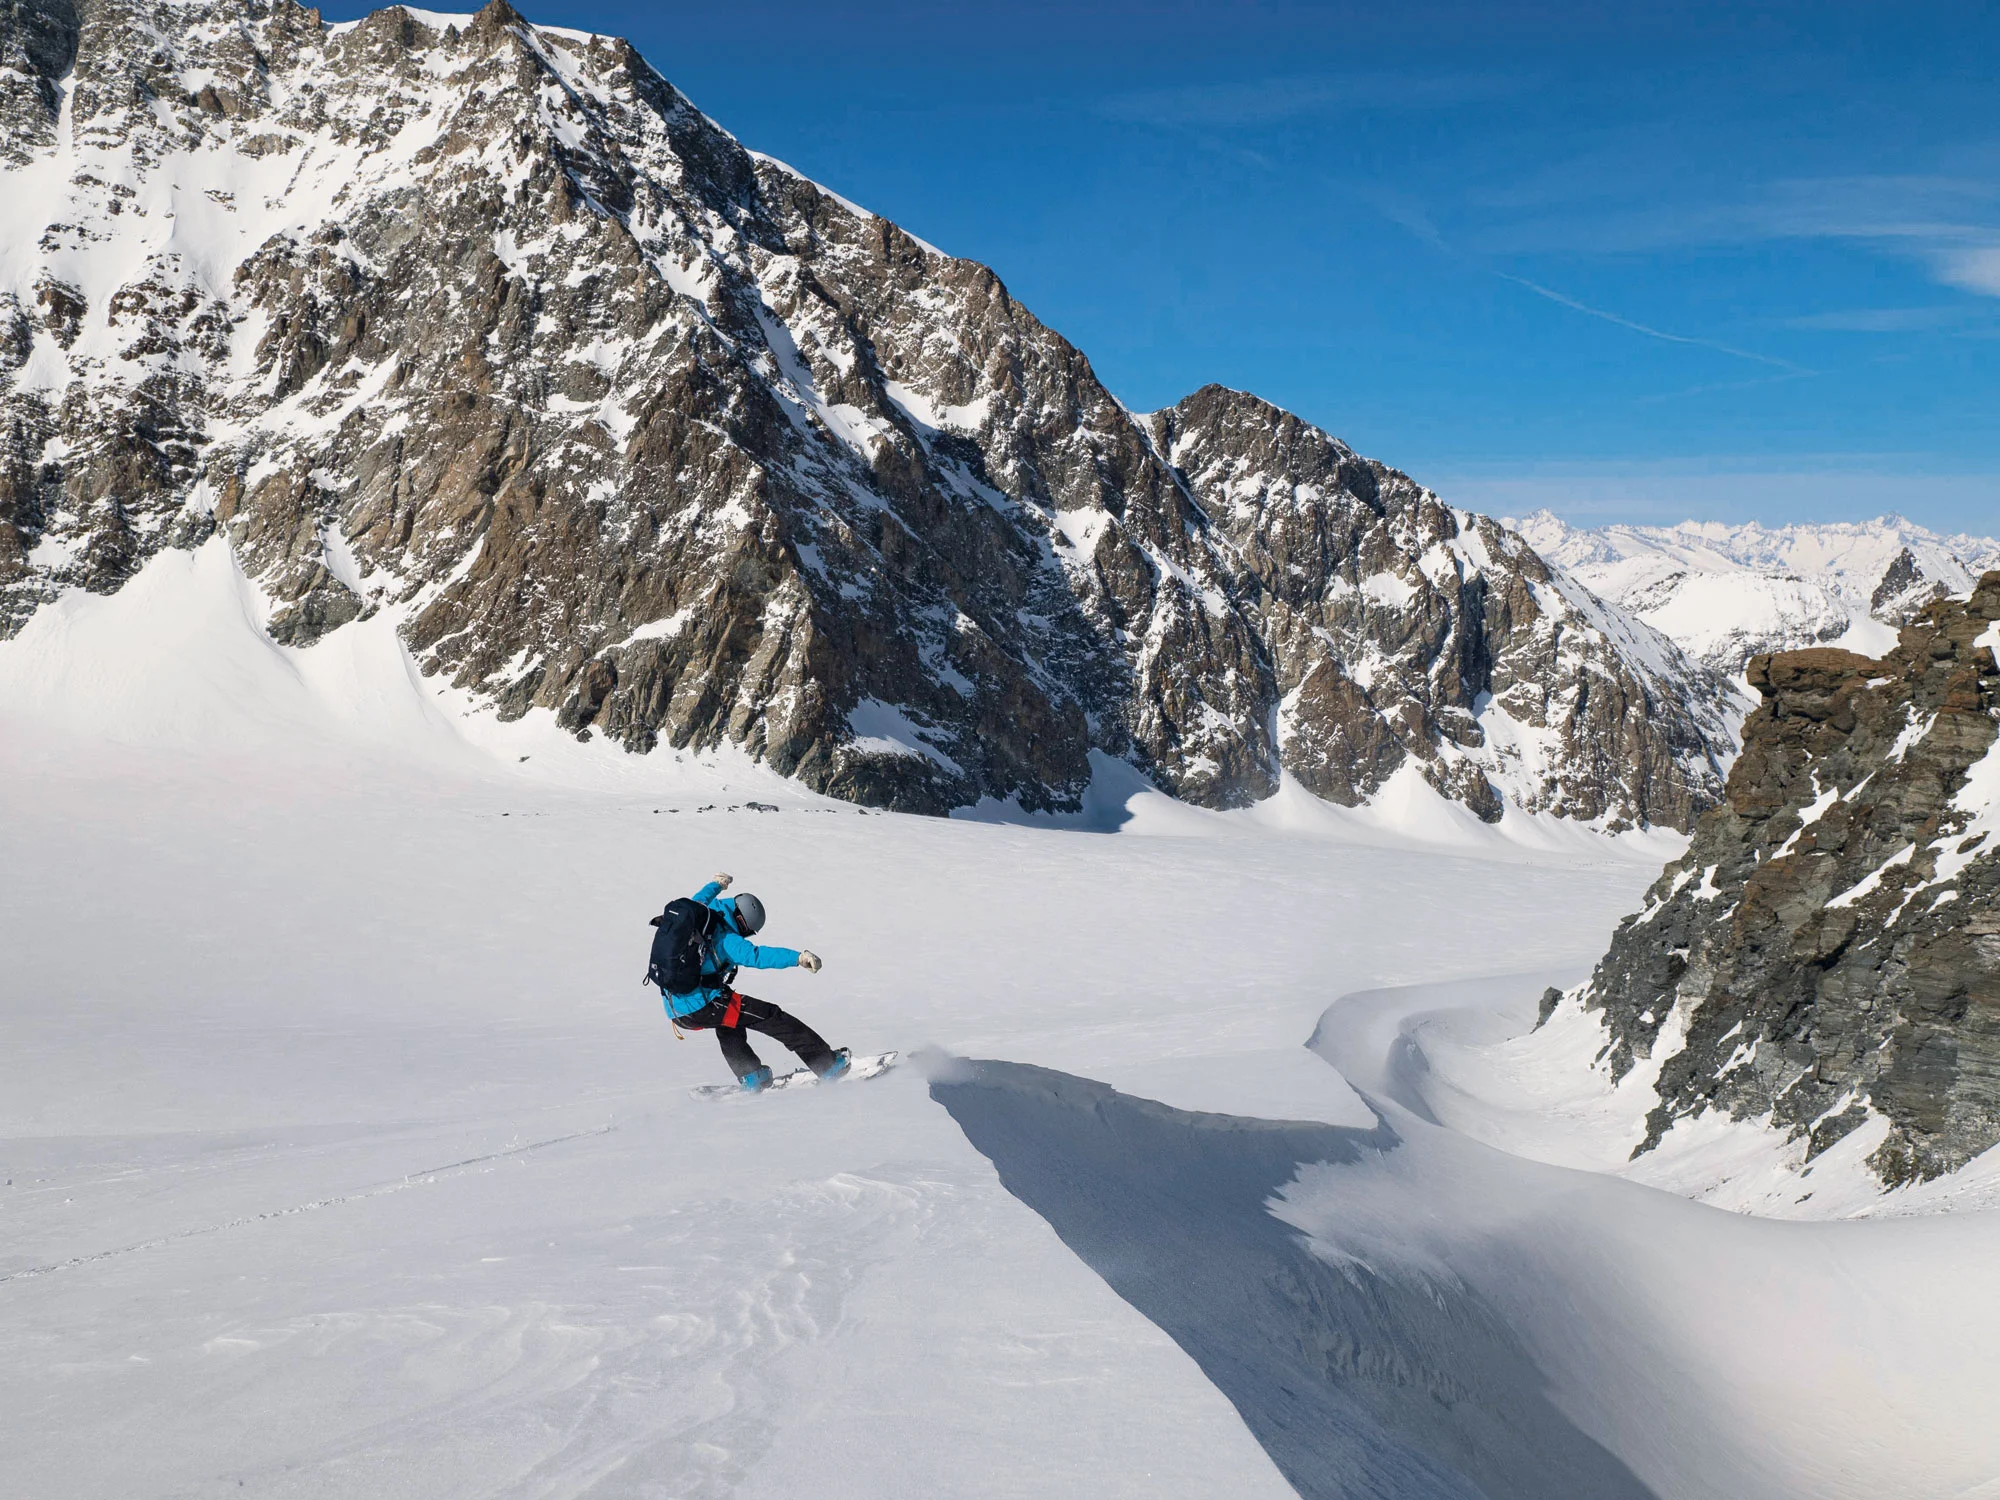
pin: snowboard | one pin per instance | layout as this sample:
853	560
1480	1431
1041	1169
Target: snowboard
803	1078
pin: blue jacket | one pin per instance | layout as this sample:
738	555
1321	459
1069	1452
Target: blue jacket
728	950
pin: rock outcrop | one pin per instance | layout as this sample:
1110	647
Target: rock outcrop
1827	954
487	325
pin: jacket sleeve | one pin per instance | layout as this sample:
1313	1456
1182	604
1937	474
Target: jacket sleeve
708	893
745	954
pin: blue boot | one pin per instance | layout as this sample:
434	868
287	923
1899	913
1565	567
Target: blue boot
843	1059
757	1080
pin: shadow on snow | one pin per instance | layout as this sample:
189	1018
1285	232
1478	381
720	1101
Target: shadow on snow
1357	1385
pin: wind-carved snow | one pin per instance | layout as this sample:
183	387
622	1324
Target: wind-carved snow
1535	1091
1455	1063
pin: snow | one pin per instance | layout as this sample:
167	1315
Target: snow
346	1155
860	431
437	20
1872	881
969	417
1978	801
1913	734
1724	593
340	560
1521	758
1470	1060
1976	805
661	630
1847	558
884	729
1080	529
1715	611
854	208
1823	802
1388	589
1714	1353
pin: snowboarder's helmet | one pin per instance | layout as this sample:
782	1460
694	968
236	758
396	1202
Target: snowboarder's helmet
749	914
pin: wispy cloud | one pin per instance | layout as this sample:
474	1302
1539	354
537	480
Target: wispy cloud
1634	216
1406	213
1650	332
1908	206
1975	270
1411	216
1266	101
1879	320
1709	388
1948	223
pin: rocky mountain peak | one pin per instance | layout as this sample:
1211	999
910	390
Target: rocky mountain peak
486	325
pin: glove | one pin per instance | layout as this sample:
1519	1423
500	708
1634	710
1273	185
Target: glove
809	961
722	882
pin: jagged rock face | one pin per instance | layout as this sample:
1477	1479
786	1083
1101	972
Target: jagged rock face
37	45
488	326
1401	629
1829	947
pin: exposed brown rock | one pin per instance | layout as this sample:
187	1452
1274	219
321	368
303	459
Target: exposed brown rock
1830	936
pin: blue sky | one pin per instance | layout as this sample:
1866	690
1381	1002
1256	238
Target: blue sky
1637	262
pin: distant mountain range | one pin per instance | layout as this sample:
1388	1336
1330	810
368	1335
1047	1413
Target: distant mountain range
1727	593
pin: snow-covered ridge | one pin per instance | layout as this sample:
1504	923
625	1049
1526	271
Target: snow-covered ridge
1726	593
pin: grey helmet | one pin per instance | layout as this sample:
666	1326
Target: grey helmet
749	914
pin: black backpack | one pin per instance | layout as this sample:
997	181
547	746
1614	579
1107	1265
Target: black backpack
680	942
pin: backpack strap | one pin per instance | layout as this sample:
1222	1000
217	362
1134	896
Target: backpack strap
732	1015
724	974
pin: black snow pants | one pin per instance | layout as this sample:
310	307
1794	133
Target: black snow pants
733	1016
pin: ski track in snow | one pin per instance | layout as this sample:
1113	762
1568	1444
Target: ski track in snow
430	1174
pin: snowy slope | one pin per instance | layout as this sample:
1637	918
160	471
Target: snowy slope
1726	593
344	1153
398	1118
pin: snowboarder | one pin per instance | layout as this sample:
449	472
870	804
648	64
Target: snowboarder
719	932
